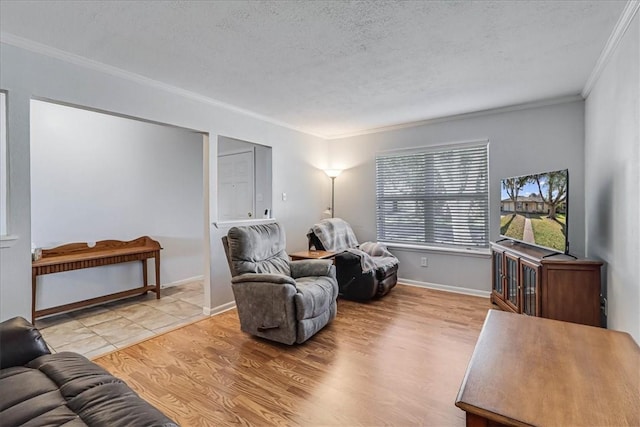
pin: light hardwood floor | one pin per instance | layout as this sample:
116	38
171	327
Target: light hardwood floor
395	361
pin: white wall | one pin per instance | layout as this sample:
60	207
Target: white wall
263	177
297	158
95	177
521	142
3	164
612	164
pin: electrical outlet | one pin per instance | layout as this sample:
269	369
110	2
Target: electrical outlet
284	197
423	262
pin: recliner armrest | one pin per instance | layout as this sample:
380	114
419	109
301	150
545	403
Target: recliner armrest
348	257
311	267
20	343
263	277
375	249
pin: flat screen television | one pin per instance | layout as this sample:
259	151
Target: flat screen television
534	209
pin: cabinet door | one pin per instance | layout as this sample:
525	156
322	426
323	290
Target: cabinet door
570	291
530	287
512	289
497	275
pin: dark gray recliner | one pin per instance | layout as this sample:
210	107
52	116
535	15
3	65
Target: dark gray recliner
364	271
278	299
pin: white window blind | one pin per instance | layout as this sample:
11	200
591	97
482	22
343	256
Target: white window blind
434	197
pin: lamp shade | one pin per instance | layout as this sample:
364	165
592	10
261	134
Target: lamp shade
332	173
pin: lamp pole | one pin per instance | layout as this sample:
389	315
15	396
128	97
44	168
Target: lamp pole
333	182
333	173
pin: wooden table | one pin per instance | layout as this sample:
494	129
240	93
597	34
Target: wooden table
311	255
74	256
530	371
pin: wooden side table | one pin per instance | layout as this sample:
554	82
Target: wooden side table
530	371
311	255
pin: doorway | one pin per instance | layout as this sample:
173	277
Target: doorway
101	176
244	180
236	186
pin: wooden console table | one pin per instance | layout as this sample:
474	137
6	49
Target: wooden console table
530	371
75	256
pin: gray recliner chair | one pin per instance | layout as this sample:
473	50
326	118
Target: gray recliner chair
364	271
278	299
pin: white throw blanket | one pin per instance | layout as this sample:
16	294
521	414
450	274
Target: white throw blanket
335	234
374	256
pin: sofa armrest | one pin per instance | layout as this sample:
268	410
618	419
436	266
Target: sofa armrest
311	267
20	343
263	277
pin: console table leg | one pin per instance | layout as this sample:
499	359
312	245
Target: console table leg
144	272
157	263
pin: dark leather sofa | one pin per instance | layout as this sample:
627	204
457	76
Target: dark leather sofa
38	388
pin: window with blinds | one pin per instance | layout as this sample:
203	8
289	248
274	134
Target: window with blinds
434	197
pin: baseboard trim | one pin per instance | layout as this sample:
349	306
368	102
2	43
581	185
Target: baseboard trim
446	288
181	282
219	309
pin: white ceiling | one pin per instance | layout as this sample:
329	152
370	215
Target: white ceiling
335	67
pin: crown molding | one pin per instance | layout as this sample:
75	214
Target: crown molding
81	61
630	9
49	51
517	107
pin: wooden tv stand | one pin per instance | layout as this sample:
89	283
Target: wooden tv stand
75	256
528	371
538	282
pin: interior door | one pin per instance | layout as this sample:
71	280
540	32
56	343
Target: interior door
236	186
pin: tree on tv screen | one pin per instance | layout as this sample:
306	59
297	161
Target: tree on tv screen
555	186
513	186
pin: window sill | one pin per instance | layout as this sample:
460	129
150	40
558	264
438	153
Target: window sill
8	241
243	222
481	253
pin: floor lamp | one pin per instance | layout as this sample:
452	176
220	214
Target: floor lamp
333	173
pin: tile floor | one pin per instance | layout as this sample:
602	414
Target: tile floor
100	329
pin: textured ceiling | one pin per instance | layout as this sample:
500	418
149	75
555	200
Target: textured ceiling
336	67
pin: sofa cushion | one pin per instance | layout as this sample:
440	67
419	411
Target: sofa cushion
68	389
315	295
23	404
114	403
20	342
